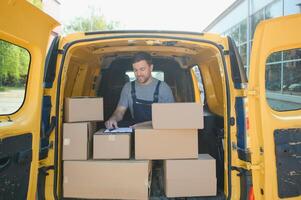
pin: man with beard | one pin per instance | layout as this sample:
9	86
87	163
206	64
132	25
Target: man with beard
138	95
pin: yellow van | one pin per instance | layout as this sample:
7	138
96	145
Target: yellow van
250	128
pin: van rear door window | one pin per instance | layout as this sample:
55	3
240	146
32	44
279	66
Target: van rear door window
283	80
14	64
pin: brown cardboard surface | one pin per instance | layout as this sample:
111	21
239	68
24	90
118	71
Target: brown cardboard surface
80	109
177	116
118	179
77	140
165	144
187	178
111	145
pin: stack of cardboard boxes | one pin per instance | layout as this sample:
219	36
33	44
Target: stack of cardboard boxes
173	138
103	177
115	173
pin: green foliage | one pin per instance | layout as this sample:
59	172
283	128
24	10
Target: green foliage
14	62
2	89
94	22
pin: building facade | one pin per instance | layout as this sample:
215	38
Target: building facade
283	69
241	18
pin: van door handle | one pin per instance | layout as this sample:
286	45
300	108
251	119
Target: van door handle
4	162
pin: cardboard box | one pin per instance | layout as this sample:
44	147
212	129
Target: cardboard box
165	144
77	140
118	179
111	145
188	178
177	116
81	109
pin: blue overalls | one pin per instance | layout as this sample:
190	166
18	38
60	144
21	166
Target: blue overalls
142	109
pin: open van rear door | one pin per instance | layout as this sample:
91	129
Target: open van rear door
274	109
22	26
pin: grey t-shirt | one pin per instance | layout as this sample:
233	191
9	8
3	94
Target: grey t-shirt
145	92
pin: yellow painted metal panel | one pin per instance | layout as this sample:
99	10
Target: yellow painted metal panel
24	25
271	36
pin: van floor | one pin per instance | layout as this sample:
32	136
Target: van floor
157	186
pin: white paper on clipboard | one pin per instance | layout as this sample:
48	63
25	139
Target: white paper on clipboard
119	130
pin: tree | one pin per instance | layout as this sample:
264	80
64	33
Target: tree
94	22
13	65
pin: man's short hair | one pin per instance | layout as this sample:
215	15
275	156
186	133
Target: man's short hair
142	56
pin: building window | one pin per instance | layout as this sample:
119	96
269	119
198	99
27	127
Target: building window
292	7
273	10
243	53
239	34
243	31
256	18
270	11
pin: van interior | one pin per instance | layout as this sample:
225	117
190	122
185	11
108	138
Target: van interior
102	67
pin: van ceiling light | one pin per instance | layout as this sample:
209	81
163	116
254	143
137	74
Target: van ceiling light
132	42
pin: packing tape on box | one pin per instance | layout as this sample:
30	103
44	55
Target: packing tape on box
67	141
112	137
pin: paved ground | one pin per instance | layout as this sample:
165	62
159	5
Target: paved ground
11	100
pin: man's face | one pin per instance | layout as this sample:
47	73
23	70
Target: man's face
143	71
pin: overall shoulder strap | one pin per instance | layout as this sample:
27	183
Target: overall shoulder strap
133	91
156	93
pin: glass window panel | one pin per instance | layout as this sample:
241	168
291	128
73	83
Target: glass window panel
243	31
292	54
275	57
292	7
243	53
14	63
283	81
292	78
273	77
259	4
256	18
273	10
235	34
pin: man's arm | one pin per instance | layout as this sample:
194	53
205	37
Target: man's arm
116	117
121	108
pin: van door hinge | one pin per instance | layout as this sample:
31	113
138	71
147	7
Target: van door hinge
253	92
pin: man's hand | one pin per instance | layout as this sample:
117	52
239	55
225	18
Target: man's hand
111	123
116	117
